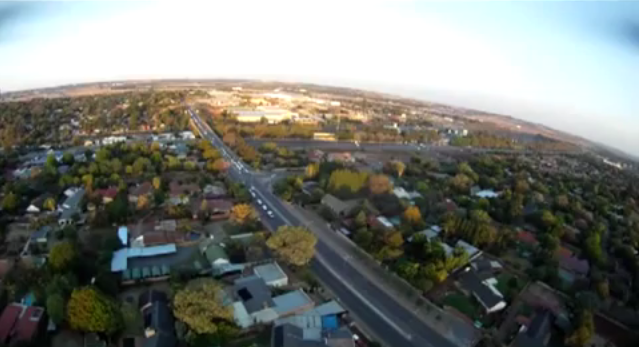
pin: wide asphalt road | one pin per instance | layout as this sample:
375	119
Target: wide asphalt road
391	323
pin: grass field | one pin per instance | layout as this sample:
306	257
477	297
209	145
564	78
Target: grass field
463	304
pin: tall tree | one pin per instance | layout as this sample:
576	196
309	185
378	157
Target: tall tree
55	308
62	255
49	204
379	184
91	311
294	245
200	307
243	213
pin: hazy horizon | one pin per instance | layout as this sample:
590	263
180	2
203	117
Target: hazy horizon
570	66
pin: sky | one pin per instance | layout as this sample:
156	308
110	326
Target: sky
572	66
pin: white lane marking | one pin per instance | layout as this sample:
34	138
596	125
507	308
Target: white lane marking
346	284
362	298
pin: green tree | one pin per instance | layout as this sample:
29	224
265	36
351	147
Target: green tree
200	306
294	245
157	183
10	202
68	159
91	311
55	308
62	255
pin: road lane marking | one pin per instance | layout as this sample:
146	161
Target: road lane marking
364	300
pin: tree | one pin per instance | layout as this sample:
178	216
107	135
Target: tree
218	165
55	308
91	311
200	306
583	332
295	245
211	154
461	183
312	170
157	183
68	159
10	202
379	184
143	202
412	215
62	255
346	181
49	204
361	219
269	147
395	167
243	213
131	317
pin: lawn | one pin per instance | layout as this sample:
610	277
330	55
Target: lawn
509	285
463	304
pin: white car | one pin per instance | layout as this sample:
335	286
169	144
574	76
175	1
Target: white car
264	207
270	213
252	194
259	202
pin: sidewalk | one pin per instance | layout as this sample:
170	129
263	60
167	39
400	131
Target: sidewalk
450	326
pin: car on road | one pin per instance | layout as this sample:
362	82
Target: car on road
259	202
264	207
270	214
252	193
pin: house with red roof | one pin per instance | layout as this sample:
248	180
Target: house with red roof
20	323
527	238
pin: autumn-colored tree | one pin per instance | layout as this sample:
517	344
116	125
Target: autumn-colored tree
243	213
49	204
312	170
395	167
157	183
91	311
294	245
218	165
412	215
379	184
583	332
230	139
62	255
211	154
200	306
143	202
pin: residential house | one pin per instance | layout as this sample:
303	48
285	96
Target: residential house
486	194
472	251
272	274
211	191
41	236
107	194
570	266
37	204
339	207
158	320
71	191
315	156
484	291
215	208
179	193
215	254
187	135
537	332
180	149
21	324
401	193
383	222
253	303
144	189
119	260
73	201
312	335
342	157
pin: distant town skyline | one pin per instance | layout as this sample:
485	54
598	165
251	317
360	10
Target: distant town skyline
572	66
